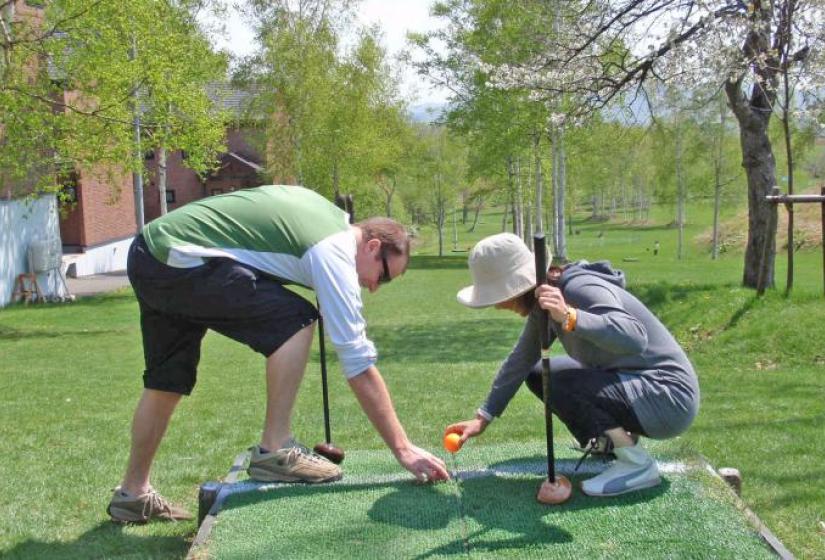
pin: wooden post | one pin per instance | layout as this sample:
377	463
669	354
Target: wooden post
733	478
790	199
207	495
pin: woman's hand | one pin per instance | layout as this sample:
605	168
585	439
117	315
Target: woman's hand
551	300
468	428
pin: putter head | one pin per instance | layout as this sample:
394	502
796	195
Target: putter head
326	449
554	493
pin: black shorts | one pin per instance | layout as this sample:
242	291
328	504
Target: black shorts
177	305
589	401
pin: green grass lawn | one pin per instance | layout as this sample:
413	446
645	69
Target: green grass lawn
70	376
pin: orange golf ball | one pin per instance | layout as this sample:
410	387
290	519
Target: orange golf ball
452	443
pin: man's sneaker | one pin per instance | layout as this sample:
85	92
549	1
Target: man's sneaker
634	469
291	463
128	508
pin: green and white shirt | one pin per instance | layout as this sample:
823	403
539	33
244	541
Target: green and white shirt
289	232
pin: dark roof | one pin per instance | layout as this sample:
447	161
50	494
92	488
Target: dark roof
245	161
231	98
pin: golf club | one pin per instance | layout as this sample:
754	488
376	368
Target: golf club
326	448
556	489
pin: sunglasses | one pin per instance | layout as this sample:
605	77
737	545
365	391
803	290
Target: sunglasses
385	277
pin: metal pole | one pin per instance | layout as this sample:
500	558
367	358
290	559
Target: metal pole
540	249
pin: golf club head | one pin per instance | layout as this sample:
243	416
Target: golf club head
334	454
553	493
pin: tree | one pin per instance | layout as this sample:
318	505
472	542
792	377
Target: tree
441	173
606	48
71	71
335	120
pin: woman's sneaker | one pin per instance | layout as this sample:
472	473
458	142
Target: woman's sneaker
128	508
634	469
291	463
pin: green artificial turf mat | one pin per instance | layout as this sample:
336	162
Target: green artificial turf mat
491	512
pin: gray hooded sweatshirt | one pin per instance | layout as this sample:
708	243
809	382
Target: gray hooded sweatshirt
615	332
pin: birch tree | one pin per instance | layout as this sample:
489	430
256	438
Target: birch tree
610	47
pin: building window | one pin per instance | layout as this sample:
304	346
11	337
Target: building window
216	191
149	154
170	196
68	188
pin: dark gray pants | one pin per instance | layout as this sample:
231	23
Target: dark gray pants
589	401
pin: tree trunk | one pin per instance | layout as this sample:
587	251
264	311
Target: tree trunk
335	180
162	180
518	204
789	155
717	173
760	171
477	212
390	193
455	231
680	195
510	188
440	220
717	202
539	185
560	195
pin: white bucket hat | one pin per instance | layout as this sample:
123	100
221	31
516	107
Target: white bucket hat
502	268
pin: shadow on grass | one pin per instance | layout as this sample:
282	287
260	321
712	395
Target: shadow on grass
11	333
498	504
736	317
106	540
121	295
447	341
450	261
658	294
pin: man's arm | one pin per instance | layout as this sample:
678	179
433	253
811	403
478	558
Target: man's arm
372	394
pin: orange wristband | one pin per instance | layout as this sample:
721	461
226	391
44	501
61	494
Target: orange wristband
569	323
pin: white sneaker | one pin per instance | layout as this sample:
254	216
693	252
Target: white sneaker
634	469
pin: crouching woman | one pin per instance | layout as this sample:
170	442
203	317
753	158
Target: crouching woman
624	375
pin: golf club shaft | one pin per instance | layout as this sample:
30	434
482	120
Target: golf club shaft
324	389
345	203
540	250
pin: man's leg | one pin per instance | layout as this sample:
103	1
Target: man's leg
284	372
134	501
149	424
278	458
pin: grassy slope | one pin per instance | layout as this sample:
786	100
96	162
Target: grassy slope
70	376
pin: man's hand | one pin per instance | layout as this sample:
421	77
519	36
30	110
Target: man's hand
424	465
468	428
551	300
372	393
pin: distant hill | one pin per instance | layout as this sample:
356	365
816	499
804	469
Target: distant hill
427	112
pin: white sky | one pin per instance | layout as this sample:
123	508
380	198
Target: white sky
395	17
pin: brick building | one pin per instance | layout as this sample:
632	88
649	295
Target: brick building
100	225
98	222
